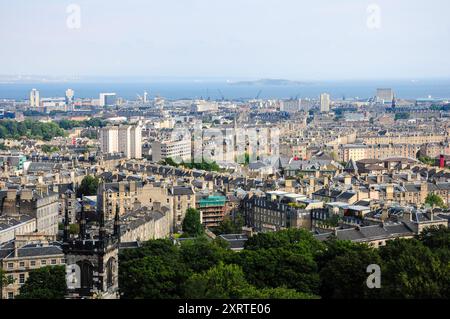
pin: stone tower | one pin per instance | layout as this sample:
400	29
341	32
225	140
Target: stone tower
92	269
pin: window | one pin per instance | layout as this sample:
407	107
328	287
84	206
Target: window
10	295
53	261
10	265
33	263
22	264
21	279
43	262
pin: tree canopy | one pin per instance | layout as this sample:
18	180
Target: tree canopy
288	264
434	200
30	129
88	186
45	283
192	224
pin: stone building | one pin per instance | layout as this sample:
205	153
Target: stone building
24	254
43	207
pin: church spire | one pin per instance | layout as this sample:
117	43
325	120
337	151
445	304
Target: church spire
117	222
101	216
82	223
66	226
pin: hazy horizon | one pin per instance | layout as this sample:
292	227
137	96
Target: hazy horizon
323	40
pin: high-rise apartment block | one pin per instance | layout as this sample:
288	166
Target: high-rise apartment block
385	95
34	98
325	103
122	139
69	96
177	150
107	99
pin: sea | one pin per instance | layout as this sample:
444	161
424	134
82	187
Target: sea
216	90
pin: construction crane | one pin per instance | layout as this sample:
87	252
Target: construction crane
221	95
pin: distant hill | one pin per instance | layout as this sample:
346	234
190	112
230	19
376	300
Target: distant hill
272	82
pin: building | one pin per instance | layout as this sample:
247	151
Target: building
204	106
359	152
183	199
70	94
92	259
125	139
34	98
324	103
213	209
275	211
385	95
178	150
12	226
107	99
16	161
119	195
43	207
354	152
24	254
290	106
54	104
144	224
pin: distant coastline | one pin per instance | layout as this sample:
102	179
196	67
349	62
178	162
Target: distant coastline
270	82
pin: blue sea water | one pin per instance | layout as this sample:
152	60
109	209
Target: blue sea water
215	89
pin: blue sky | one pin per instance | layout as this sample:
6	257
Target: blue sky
292	39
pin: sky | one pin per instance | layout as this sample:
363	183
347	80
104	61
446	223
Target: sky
229	39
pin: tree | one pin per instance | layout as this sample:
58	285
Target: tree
411	270
49	149
228	226
427	160
88	186
434	200
219	282
4	281
228	282
300	238
344	274
154	271
280	267
435	237
200	254
402	116
192	226
45	283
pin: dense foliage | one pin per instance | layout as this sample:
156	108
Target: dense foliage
88	186
287	264
229	226
435	200
45	283
204	165
427	160
70	124
192	224
30	129
402	116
